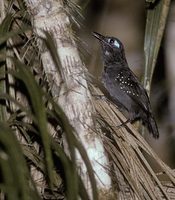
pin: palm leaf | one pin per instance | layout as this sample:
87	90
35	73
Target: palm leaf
155	24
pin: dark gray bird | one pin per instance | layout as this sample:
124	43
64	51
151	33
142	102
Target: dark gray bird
123	86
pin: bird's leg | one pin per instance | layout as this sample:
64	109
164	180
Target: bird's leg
100	97
124	123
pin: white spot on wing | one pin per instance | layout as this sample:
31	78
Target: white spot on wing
107	53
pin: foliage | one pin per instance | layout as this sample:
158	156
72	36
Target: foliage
32	126
33	123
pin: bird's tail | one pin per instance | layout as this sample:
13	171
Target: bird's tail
152	126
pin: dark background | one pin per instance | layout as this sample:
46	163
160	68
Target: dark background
126	20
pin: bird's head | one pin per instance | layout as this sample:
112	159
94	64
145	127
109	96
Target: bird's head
113	50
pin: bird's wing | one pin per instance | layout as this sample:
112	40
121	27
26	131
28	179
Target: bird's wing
129	84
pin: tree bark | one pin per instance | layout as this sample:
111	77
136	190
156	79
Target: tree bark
51	16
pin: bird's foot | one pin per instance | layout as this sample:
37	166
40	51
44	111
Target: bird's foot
99	97
124	123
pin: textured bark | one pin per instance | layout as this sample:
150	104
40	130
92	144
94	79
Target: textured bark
73	95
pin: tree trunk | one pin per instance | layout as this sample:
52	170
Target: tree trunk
73	96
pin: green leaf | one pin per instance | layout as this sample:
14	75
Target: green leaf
5	26
36	97
13	168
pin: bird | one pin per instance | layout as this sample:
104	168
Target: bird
123	85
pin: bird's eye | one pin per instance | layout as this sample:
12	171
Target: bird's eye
111	41
114	42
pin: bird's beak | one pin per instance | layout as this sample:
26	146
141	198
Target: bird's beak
98	36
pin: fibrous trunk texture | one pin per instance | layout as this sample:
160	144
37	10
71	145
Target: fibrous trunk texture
70	88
